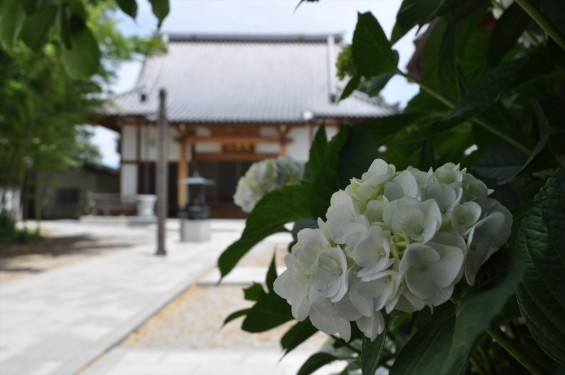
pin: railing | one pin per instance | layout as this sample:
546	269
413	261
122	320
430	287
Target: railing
110	204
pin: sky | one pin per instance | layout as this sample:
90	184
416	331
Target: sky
261	17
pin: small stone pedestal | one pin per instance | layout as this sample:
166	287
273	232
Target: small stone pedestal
145	204
194	230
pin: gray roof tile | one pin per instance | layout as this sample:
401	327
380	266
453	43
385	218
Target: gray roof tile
244	78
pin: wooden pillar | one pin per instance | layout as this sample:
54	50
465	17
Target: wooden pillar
283	139
182	173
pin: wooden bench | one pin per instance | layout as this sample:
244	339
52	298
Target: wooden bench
110	204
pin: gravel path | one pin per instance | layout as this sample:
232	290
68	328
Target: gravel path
195	319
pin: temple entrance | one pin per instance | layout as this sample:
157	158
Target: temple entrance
226	174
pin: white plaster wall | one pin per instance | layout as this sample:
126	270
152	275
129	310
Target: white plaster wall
268	131
267	148
149	144
298	149
128	142
202	131
128	179
331	131
209	147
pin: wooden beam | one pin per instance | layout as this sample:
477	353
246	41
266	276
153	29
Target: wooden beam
283	139
233	139
234	156
182	169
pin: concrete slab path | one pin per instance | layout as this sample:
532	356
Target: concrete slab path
58	321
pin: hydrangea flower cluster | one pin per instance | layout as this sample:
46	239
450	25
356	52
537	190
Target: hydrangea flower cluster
264	177
392	240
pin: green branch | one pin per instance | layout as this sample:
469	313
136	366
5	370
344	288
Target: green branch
515	351
543	22
436	95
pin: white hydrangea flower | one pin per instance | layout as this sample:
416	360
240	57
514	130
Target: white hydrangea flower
430	271
449	173
375	208
446	196
329	274
487	236
403	185
371	185
474	189
264	177
295	282
418	221
346	223
392	240
372	253
371	326
327	318
464	217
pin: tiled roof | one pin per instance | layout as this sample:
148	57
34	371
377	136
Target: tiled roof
245	78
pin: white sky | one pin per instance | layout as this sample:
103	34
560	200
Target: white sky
262	17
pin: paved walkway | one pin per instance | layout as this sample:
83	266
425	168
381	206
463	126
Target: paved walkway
59	321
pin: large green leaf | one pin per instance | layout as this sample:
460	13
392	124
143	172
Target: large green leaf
235	315
253	292
425	353
384	128
412	13
297	334
11	21
271	275
325	182
371	353
83	59
506	32
36	28
371	50
350	87
541	296
376	84
356	155
268	217
317	153
487	90
269	312
315	362
160	10
496	283
502	162
129	7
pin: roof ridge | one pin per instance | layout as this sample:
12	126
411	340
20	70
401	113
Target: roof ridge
252	37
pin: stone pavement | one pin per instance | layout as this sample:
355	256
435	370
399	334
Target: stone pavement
121	361
69	320
58	321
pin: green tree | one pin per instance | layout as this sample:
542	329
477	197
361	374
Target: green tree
67	25
42	106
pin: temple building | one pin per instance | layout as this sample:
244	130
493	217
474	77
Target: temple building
231	100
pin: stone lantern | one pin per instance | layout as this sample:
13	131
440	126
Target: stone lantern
194	226
196	208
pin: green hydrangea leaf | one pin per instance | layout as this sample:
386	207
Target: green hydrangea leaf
541	296
268	217
315	362
372	52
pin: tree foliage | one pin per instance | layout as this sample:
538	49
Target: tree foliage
42	106
69	26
